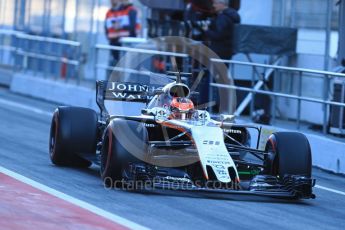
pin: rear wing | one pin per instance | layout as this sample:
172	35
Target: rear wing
122	91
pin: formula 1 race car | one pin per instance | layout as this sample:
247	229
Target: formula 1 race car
173	144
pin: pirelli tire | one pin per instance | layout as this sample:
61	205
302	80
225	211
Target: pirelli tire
289	153
73	132
124	142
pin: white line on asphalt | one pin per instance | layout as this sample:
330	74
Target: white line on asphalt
110	216
330	190
25	107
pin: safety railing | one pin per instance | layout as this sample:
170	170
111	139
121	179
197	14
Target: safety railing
6	48
257	84
61	59
45	56
299	73
109	66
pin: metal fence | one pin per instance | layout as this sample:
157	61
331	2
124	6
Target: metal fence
60	59
258	84
297	73
37	55
7	48
105	49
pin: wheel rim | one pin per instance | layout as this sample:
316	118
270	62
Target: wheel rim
271	149
53	136
104	156
106	153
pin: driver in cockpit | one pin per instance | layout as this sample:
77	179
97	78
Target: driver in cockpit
181	108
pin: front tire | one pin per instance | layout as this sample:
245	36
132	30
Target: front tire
124	142
289	153
73	131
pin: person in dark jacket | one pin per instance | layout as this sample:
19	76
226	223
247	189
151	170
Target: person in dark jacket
220	32
219	38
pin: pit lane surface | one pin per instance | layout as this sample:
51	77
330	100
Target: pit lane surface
24	130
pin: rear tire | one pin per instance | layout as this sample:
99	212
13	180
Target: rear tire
73	131
289	153
124	142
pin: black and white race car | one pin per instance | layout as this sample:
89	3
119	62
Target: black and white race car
172	144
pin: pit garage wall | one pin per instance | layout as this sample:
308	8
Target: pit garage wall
309	54
310	51
341	55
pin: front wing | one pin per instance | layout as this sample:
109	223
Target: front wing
290	187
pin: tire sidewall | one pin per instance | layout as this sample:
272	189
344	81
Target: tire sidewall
289	153
73	131
115	154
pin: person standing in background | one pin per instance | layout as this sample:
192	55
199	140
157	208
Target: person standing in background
111	26
219	38
219	35
131	22
121	21
220	32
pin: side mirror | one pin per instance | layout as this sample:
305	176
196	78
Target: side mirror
227	118
158	91
155	92
147	112
194	94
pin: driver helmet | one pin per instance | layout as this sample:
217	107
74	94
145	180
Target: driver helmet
181	108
